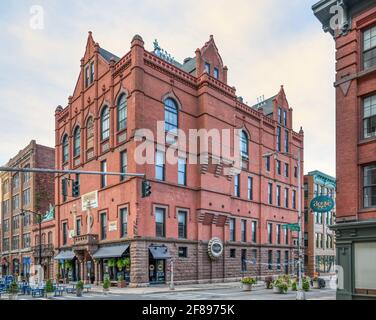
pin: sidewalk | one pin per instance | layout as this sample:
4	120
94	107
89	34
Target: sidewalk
178	288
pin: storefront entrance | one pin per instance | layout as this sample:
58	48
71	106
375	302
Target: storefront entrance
157	274
157	264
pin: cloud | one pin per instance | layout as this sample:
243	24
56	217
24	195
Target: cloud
265	43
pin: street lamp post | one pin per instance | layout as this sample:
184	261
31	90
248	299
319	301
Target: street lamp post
300	295
40	216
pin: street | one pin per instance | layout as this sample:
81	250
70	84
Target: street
204	294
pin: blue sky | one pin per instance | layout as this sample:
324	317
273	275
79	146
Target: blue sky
264	43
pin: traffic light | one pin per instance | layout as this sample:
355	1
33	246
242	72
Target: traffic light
76	187
146	188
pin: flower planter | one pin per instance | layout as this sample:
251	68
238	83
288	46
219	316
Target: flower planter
106	291
49	295
121	284
79	292
316	285
247	287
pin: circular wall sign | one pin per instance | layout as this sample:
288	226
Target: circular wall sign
322	204
215	248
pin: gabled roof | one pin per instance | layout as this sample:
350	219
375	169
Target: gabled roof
108	55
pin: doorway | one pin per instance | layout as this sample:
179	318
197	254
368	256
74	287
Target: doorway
157	271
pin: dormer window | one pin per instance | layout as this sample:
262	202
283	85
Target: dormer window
216	73
279	115
89	74
207	67
285	118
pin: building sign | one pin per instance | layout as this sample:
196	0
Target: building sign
89	200
322	204
292	226
215	248
112	226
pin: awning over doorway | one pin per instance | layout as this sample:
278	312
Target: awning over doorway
110	252
65	255
159	252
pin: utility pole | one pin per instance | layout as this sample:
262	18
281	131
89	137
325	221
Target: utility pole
300	295
172	286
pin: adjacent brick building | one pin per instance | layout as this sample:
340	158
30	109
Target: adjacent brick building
190	204
25	191
319	240
356	142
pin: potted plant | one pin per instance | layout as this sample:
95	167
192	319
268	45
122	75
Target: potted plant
127	262
112	262
106	286
315	282
13	290
294	286
269	282
248	283
280	286
49	289
121	282
79	288
306	286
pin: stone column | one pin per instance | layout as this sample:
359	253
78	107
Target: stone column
82	275
99	273
139	264
96	274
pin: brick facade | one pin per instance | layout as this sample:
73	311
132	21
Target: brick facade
204	101
18	258
355	144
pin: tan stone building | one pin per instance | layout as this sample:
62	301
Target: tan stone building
21	194
319	240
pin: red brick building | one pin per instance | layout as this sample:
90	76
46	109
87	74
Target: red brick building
190	204
356	142
23	192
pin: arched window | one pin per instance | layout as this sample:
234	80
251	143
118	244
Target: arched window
244	144
90	133
43	238
122	112
105	123
171	115
65	149
76	141
50	237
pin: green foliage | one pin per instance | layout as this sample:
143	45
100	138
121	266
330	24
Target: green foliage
106	284
281	284
68	265
49	286
306	285
127	262
112	262
249	280
294	286
13	288
80	285
120	277
120	264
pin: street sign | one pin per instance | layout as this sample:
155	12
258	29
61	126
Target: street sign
322	204
292	226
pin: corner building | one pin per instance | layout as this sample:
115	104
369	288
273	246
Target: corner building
356	144
190	204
